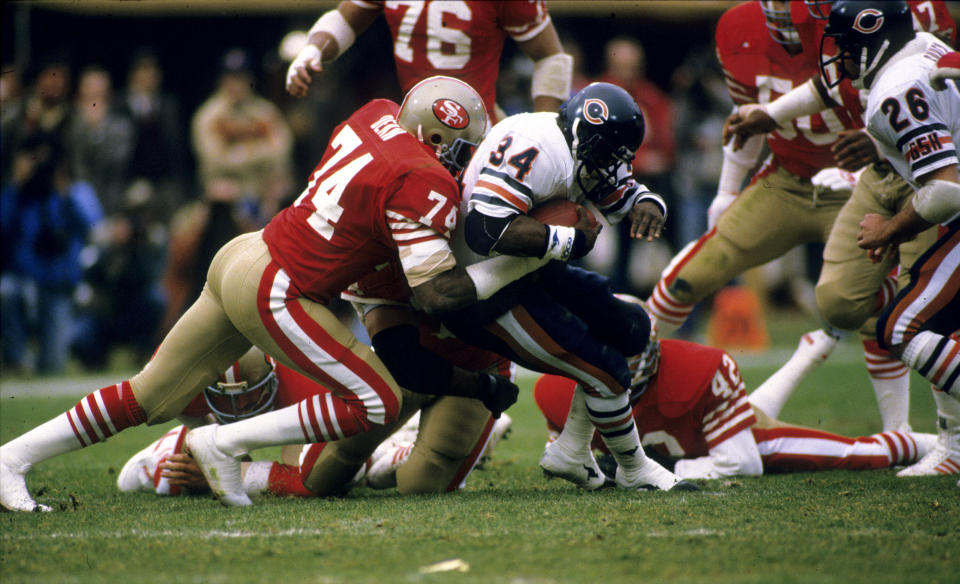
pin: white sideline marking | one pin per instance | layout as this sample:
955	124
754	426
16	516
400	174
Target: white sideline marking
143	533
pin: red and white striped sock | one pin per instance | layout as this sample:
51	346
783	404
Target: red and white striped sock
93	419
669	312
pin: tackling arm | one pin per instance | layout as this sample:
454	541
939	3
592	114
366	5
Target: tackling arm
735	456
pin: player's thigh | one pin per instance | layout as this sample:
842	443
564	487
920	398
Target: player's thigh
847	287
197	350
449	430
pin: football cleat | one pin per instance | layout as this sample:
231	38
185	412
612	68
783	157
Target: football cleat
652	477
14	495
939	461
817	345
137	473
581	470
221	470
501	428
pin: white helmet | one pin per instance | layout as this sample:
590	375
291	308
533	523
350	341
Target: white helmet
448	115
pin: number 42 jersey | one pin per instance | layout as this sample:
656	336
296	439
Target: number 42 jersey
377	194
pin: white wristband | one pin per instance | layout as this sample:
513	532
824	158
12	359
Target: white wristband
560	242
334	24
490	275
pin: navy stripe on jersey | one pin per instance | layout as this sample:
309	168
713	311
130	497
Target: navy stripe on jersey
511	182
928	160
920	130
495	201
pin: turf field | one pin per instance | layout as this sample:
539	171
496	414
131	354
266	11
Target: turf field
510	525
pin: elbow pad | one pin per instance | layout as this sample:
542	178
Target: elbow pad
412	366
552	76
482	232
938	201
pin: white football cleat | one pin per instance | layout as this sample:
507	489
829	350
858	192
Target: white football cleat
581	470
221	470
501	427
940	460
137	473
652	476
926	442
14	495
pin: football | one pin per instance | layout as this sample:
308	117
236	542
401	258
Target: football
561	212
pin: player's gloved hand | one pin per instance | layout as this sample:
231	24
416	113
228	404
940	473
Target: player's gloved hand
298	74
499	394
854	149
948	67
749	120
646	220
834	179
719	204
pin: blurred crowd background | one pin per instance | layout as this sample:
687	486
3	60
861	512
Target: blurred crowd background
138	137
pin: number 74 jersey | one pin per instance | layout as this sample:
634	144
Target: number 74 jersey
378	195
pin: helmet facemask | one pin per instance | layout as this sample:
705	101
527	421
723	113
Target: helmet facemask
233	397
598	164
779	24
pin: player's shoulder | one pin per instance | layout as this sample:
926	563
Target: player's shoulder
908	72
741	30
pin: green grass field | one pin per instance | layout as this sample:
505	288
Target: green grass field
509	525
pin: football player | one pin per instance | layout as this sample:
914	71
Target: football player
851	290
916	128
383	191
460	39
565	321
256	384
692	409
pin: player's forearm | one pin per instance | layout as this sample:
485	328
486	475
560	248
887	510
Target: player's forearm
735	456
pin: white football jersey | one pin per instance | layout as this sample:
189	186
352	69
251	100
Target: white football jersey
523	162
915	126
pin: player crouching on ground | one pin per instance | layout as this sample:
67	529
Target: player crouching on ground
693	413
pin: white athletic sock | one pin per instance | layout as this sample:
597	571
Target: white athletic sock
256	476
270	429
613	419
52	438
578	429
773	393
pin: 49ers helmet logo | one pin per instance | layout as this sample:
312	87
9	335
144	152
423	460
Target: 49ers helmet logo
451	113
868	20
595	111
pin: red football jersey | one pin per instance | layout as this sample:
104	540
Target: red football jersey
377	195
758	70
459	39
695	401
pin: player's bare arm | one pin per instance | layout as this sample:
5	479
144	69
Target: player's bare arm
646	220
879	235
330	37
553	70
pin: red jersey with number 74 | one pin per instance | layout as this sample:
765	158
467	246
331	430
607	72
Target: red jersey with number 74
377	195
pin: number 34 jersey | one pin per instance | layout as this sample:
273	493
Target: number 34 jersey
377	195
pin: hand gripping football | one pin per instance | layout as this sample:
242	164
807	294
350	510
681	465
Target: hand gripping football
560	212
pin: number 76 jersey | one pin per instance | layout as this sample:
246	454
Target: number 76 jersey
378	195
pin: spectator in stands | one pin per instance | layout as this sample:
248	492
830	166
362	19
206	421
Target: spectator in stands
238	134
100	139
44	110
160	146
120	301
45	220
